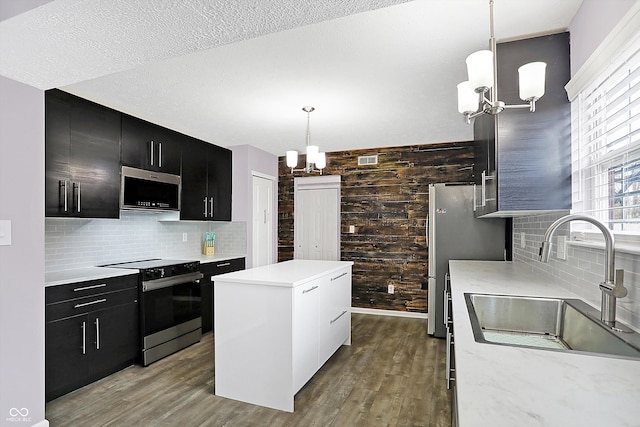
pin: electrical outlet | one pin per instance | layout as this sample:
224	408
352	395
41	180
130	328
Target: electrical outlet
352	229
561	252
523	241
184	237
391	289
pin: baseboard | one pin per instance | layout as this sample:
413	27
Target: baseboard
394	313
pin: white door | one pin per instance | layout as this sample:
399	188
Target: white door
317	218
262	221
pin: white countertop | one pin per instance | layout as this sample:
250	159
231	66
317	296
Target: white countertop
287	273
84	274
510	386
96	273
204	259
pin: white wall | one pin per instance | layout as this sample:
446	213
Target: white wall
22	263
591	25
248	159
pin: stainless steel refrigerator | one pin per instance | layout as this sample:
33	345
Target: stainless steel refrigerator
453	233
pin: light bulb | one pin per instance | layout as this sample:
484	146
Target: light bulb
321	160
532	80
312	152
292	159
467	98
480	70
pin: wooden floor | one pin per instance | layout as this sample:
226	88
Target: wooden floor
391	375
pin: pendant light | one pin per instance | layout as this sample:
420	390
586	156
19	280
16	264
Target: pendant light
483	78
316	161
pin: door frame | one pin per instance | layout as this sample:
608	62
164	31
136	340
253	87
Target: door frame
274	210
315	183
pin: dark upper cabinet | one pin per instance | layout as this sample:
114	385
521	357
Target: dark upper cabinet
523	159
82	158
206	182
149	146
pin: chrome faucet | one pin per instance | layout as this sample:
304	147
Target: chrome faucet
612	287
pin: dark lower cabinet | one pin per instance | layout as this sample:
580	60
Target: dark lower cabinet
89	337
210	270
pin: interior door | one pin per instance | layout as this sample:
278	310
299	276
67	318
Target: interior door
262	220
317	218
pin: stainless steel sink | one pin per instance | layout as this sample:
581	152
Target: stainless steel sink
549	324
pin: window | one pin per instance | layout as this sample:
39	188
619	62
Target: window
606	145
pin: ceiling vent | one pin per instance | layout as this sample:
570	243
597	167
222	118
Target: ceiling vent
368	160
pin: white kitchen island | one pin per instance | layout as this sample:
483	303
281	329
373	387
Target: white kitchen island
276	325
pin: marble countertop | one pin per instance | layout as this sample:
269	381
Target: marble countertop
287	273
510	386
76	275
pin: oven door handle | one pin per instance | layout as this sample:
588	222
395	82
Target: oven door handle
166	282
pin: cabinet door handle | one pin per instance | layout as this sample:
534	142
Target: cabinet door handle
475	198
313	288
336	319
151	150
84	337
63	184
205	207
84	288
223	264
337	277
484	189
97	333
76	189
448	359
159	154
98	301
211	210
265	216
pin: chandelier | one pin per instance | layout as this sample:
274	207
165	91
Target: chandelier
483	79
316	161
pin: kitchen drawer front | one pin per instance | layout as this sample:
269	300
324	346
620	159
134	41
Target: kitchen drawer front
74	307
221	267
54	294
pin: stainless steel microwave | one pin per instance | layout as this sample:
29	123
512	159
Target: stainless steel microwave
143	189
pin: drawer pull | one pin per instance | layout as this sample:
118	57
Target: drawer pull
98	301
84	337
310	289
97	333
84	288
336	278
336	319
225	264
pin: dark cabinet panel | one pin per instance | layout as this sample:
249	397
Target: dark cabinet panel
526	157
89	336
66	362
149	146
210	270
206	182
195	201
82	157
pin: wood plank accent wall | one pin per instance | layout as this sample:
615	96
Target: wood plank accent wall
388	205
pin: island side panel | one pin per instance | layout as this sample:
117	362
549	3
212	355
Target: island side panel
253	348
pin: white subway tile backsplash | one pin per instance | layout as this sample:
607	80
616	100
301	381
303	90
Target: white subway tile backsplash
78	243
582	271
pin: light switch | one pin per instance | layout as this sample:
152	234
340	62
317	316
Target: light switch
352	229
5	233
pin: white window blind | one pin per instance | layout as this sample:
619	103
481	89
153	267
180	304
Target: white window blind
606	145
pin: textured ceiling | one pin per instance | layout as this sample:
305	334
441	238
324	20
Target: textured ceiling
239	72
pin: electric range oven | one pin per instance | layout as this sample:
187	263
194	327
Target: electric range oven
170	306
